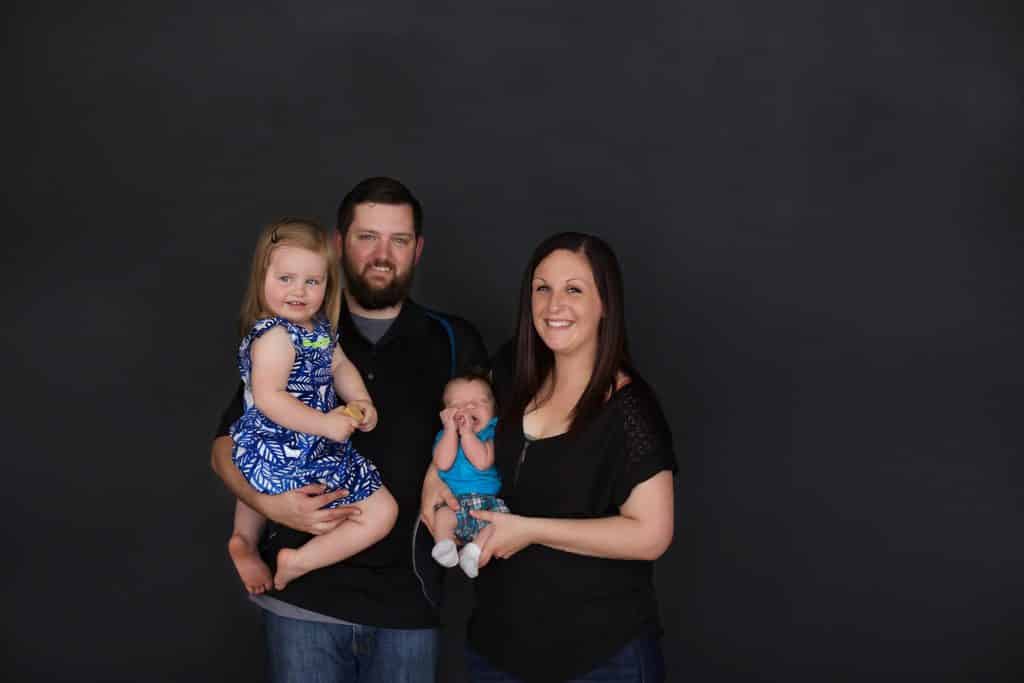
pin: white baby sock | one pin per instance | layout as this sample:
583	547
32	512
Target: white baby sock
468	559
445	553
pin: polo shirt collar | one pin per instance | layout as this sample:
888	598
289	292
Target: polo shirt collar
411	322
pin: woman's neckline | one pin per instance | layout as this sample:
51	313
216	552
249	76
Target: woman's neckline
615	394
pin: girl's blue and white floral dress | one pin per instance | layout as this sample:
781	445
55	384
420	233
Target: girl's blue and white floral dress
275	459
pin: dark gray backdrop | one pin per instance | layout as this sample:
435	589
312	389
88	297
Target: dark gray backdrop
816	206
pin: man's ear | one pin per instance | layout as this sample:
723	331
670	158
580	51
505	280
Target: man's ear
419	249
339	242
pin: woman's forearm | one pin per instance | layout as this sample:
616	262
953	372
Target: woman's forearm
614	538
641	531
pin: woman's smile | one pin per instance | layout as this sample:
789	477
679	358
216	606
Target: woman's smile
566	305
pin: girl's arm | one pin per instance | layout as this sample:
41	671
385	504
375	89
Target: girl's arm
480	453
272	359
351	388
447	446
347	380
641	531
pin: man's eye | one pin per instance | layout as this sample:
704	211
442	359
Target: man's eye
367	236
402	241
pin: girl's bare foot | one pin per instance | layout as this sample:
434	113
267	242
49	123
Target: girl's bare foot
288	568
254	572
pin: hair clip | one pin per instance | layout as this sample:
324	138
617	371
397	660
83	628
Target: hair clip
273	236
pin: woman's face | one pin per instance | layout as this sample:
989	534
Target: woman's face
566	305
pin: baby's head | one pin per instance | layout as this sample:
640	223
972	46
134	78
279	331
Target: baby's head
471	394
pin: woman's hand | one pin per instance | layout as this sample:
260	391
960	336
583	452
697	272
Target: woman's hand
434	492
511	533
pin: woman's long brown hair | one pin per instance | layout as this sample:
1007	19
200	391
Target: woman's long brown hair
535	361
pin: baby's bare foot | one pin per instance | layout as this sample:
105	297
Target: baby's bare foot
288	568
254	572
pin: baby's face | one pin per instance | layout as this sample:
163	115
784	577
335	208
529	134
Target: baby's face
473	400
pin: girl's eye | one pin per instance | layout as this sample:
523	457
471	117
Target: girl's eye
312	282
284	278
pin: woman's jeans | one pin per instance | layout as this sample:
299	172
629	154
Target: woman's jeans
313	652
640	661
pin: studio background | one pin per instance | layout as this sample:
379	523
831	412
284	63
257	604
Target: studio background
816	205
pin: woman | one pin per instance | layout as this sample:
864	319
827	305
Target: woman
586	463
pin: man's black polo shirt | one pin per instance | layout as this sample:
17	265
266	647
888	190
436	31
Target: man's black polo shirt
405	372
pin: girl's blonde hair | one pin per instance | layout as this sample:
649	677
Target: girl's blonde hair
305	233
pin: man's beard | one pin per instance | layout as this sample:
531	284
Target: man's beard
375	298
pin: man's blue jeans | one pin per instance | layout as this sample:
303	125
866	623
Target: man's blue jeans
314	652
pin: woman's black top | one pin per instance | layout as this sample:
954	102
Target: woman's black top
544	614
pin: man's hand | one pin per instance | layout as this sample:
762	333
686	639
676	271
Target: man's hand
299	509
435	492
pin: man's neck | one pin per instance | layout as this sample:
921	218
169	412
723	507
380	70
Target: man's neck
377	314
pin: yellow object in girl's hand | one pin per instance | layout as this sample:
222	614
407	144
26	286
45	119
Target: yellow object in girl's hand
354	411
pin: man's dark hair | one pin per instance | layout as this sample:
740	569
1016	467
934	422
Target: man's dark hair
379	190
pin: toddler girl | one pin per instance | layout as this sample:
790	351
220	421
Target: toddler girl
464	455
292	432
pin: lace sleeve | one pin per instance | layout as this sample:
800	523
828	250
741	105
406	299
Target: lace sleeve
647	441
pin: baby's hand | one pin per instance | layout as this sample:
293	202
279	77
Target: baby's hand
448	418
340	425
461	421
369	415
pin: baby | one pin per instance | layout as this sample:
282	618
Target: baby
464	455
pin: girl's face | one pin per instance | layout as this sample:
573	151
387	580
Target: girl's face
295	284
566	305
473	400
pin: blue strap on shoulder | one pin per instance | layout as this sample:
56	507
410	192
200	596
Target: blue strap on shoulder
451	336
427	564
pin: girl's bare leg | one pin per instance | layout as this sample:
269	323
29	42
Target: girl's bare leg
359	532
445	552
253	571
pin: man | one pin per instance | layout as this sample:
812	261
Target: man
366	619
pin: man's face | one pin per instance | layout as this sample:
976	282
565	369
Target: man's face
379	254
